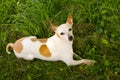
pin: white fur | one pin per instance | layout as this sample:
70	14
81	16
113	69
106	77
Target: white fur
59	45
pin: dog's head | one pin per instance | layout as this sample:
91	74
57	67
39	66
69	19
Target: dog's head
64	31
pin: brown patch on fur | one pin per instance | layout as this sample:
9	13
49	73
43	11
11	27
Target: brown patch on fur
34	39
44	40
44	51
18	47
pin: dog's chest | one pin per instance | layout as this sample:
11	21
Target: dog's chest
59	48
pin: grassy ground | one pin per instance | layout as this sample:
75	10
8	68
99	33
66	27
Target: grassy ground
97	36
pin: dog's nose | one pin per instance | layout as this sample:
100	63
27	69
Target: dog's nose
70	38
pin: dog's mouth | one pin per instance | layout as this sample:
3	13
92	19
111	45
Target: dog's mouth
70	38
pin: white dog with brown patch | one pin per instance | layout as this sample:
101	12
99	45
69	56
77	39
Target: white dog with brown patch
58	47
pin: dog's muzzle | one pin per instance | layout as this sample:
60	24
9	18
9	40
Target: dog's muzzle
70	38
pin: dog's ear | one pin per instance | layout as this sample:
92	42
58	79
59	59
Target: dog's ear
53	26
69	20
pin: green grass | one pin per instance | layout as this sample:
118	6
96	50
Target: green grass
96	30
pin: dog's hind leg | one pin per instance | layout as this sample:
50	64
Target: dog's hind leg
28	57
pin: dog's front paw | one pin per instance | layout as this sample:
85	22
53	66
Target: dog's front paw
89	62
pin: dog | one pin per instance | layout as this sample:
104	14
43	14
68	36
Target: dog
55	48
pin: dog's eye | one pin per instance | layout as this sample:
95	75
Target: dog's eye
70	29
62	33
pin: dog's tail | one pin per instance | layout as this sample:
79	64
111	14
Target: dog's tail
8	46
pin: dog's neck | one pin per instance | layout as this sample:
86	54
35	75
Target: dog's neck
59	40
